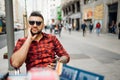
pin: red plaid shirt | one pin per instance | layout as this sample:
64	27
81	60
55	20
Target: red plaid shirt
42	53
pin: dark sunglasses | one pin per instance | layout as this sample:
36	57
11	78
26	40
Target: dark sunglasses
38	23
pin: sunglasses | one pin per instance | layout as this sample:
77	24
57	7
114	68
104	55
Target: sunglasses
38	23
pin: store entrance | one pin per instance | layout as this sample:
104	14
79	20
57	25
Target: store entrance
77	24
112	15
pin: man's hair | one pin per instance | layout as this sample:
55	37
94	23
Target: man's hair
36	13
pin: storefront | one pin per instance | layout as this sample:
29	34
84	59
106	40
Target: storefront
112	12
99	15
75	18
88	14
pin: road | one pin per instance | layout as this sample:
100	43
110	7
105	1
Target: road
89	46
3	38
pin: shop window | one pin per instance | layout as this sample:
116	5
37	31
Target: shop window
78	6
73	8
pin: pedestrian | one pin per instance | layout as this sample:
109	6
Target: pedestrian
60	26
98	26
70	28
52	26
56	30
38	49
109	28
119	30
91	27
83	27
113	27
46	27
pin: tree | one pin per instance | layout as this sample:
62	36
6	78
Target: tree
59	12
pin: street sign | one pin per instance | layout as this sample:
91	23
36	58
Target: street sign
71	73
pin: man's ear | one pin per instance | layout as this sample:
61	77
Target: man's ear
43	25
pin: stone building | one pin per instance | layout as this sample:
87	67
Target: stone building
2	8
103	11
71	13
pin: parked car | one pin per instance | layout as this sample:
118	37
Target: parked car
18	26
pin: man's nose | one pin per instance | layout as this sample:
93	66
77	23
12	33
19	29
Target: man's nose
35	24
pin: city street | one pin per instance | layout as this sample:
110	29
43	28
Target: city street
98	54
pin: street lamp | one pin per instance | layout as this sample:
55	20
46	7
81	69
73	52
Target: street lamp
25	8
25	20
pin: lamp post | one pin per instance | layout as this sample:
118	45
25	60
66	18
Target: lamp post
25	20
9	29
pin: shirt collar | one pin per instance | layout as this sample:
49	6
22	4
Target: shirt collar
44	35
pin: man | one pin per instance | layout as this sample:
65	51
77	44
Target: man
38	49
98	27
83	27
60	28
52	26
91	27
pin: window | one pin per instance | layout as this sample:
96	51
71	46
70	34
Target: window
78	6
73	8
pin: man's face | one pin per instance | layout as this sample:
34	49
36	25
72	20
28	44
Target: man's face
36	24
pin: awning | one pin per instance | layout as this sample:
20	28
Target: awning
65	17
76	15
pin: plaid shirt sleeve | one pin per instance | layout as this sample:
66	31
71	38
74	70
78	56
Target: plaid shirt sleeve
59	49
19	44
17	47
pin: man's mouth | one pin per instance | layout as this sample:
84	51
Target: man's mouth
35	32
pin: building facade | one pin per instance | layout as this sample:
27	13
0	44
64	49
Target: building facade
2	14
52	10
18	11
71	13
103	11
2	8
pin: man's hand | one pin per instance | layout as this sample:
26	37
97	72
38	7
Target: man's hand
52	65
30	36
63	59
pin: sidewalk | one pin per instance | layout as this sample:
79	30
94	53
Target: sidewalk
107	42
111	70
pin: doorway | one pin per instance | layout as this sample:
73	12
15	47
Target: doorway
112	9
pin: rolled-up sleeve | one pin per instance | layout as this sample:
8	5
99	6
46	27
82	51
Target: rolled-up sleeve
59	49
17	47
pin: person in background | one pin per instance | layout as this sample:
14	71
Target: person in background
52	26
91	27
60	26
46	27
113	27
56	30
98	26
38	49
70	28
83	27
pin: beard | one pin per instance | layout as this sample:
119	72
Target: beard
39	32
